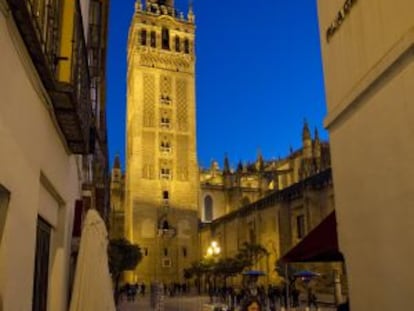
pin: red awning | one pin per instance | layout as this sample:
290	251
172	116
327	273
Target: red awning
320	245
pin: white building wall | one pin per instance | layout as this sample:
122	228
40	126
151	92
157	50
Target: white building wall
39	174
84	5
369	78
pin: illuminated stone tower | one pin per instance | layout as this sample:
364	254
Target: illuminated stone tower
161	163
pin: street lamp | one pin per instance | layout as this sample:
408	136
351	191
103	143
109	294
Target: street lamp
213	249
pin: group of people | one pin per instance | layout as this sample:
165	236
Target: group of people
272	296
175	289
131	291
238	298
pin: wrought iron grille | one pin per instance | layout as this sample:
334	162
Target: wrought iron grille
80	72
46	16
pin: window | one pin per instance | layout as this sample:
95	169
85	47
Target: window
165	100
143	37
300	226
165	34
177	44
4	205
153	39
166	263
165	225
153	8
165	122
145	251
165	146
184	249
165	252
165	173
165	195
41	273
186	46
208	208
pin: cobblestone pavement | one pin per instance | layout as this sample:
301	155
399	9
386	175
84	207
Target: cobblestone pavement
189	303
182	303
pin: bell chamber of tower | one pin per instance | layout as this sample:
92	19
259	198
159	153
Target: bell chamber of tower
161	198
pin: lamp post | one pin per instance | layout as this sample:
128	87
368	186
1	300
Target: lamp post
213	251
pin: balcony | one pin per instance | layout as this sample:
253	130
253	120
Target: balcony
39	23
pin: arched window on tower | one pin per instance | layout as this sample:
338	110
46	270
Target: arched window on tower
165	122
165	146
186	46
143	37
208	208
153	39
165	225
165	173
165	34
177	44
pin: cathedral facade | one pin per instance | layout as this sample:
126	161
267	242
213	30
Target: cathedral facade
274	203
224	191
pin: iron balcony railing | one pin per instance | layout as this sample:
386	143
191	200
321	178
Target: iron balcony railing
39	23
80	81
45	18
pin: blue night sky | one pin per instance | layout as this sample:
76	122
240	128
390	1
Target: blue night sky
258	76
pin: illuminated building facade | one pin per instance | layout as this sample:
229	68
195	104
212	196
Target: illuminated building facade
53	142
272	203
161	182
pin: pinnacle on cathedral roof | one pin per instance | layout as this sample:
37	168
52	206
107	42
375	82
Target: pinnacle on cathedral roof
306	133
226	168
117	162
316	134
260	161
190	15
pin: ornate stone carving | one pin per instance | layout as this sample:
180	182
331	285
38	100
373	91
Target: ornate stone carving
182	157
165	86
182	109
167	61
149	100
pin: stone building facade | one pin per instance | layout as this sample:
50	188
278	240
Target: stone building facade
368	59
272	203
224	191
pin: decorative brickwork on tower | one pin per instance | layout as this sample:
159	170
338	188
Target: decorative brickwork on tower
161	183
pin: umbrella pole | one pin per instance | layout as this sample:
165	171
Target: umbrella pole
287	287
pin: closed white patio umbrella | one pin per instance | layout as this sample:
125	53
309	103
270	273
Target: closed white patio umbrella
92	288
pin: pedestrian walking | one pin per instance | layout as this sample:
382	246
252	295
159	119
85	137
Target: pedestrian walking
143	289
312	299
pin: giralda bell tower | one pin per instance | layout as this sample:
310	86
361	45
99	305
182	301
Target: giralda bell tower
161	161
